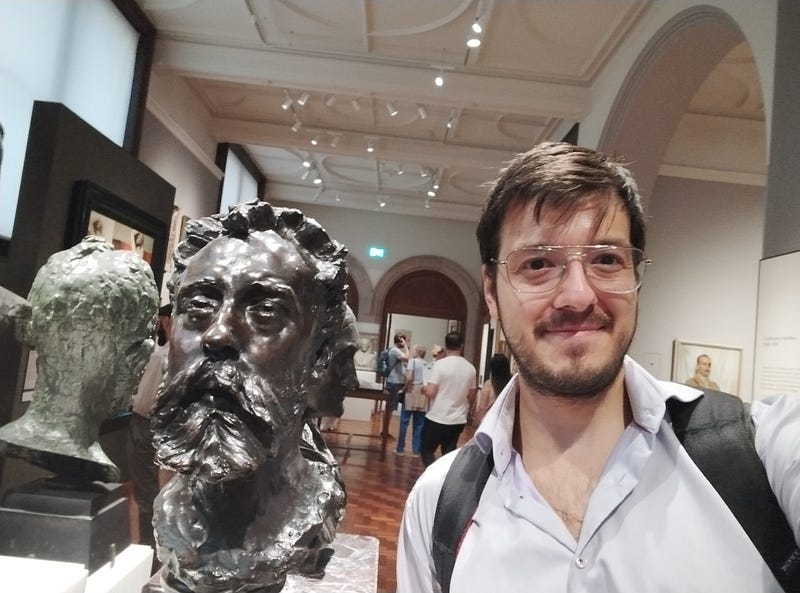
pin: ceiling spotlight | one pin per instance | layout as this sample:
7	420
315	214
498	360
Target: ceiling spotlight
400	170
423	172
381	202
476	27
370	146
334	141
450	119
338	196
330	100
315	140
473	42
296	125
431	193
317	181
306	163
427	203
287	101
391	107
303	99
305	174
439	80
422	112
435	185
356	105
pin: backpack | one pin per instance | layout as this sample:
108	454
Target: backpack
717	432
383	366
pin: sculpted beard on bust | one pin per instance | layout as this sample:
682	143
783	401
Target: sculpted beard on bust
217	421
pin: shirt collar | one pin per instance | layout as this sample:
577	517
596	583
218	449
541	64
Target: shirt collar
646	393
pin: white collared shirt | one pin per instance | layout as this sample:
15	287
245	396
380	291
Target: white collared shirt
653	523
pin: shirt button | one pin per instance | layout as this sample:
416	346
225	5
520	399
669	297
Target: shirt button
579	562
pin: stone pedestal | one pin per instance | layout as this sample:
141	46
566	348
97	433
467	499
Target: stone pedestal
352	568
52	520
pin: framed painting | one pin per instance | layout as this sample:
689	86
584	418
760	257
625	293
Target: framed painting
97	211
707	365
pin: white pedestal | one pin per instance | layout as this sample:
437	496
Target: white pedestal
130	572
29	575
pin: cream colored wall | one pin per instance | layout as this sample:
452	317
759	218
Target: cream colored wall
705	242
757	21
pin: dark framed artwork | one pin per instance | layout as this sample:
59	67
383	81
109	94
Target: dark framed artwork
97	211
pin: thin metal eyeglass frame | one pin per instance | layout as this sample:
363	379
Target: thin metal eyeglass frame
583	251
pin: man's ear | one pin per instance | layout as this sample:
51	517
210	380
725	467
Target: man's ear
489	281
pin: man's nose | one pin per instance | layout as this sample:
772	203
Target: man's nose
575	291
219	339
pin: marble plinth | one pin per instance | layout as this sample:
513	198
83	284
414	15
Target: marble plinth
352	569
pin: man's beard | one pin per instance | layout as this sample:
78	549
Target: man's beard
217	421
580	380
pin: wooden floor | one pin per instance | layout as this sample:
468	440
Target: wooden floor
376	490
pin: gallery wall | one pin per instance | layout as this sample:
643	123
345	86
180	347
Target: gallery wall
705	242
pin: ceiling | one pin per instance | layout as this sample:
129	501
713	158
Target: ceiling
279	75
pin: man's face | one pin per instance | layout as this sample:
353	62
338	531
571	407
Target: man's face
704	366
242	344
571	340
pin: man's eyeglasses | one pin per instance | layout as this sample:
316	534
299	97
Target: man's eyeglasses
609	268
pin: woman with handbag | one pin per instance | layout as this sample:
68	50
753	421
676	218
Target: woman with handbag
415	403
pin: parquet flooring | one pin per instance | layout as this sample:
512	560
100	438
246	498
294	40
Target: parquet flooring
376	490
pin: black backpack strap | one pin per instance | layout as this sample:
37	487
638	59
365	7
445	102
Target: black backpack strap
718	433
458	500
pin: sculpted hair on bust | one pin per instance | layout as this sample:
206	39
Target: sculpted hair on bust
559	176
325	255
68	289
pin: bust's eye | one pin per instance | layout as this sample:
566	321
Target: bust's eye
264	309
199	307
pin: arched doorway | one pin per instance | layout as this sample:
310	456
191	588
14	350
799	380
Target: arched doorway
428	304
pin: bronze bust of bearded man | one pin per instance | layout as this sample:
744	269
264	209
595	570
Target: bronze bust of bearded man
258	308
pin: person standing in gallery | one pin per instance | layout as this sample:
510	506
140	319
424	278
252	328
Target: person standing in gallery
499	376
590	487
398	357
450	388
415	403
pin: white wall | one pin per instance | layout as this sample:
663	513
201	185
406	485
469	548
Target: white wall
705	242
196	188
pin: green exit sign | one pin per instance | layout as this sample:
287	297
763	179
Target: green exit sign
378	252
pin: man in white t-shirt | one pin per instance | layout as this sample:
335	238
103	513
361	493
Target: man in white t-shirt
450	388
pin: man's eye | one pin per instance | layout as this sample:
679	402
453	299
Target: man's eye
608	259
535	264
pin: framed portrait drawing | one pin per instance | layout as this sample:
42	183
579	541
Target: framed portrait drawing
707	365
97	211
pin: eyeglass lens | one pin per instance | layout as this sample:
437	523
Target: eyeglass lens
609	268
